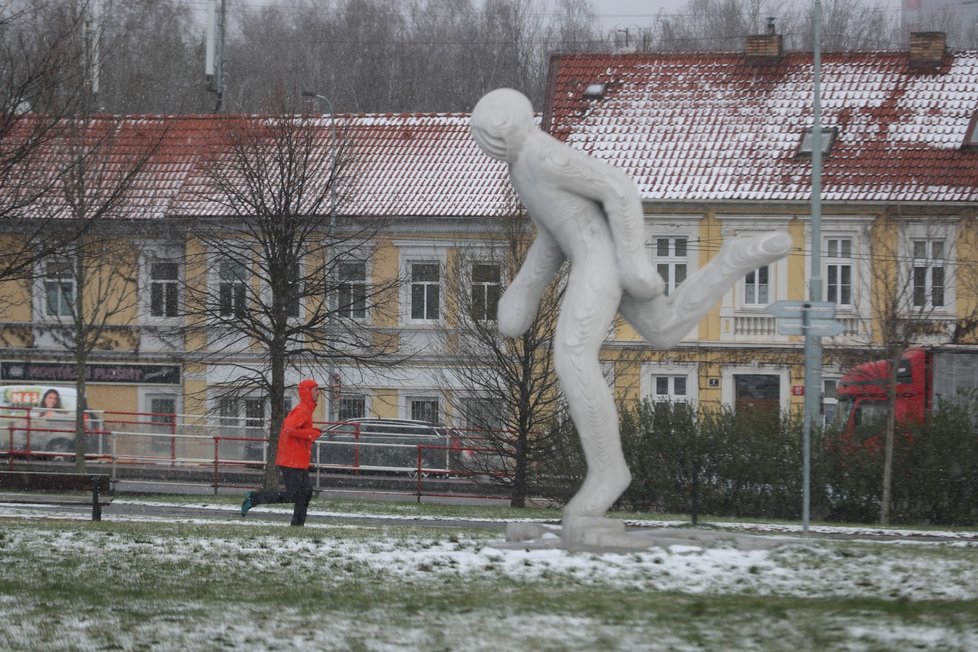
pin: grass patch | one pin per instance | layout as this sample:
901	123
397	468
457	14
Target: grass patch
180	585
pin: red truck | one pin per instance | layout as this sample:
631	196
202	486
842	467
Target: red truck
925	375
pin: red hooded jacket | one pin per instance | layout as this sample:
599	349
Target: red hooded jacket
297	434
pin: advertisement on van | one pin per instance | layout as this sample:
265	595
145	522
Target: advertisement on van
39	420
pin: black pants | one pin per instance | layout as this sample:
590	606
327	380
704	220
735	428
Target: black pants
298	490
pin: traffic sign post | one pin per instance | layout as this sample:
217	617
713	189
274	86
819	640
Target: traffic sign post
813	320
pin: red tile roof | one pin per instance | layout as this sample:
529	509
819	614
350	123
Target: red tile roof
710	127
406	165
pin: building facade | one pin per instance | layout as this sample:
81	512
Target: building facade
718	145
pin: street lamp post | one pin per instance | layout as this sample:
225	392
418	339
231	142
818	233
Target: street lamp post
331	368
813	343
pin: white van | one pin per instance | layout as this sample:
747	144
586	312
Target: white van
27	425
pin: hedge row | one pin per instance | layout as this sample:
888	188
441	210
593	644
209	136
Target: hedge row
719	463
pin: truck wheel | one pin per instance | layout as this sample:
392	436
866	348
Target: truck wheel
60	446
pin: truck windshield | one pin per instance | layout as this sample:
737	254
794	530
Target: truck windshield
870	420
842	412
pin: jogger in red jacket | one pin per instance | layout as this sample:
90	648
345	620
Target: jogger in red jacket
292	458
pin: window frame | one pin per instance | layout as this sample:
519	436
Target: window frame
653	371
150	254
971	135
41	302
409	253
420	396
671	260
341	282
747	285
238	308
489	305
839	262
733	303
352	396
829	135
929	231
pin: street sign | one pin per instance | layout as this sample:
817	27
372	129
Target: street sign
793	316
795	309
816	327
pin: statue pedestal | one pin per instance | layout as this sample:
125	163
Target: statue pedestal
675	540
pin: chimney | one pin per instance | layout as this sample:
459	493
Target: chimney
764	49
927	50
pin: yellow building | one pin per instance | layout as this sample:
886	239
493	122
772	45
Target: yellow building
718	145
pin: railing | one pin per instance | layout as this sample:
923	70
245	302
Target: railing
137	446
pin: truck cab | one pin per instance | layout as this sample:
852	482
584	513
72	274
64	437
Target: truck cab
861	393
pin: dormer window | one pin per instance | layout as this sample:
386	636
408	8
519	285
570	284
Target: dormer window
971	136
828	138
594	91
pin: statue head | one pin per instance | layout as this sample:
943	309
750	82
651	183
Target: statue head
501	121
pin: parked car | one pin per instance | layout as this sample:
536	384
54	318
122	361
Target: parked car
389	446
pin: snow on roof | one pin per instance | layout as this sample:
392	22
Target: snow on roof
403	165
712	127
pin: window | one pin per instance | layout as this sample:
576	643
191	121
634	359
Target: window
242	421
351	407
482	414
838	271
163	289
59	288
928	273
232	275
671	389
594	91
425	291
971	136
830	401
756	287
424	408
485	291
352	290
828	138
671	261
163	417
162	410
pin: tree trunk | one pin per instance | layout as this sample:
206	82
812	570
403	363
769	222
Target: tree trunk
889	437
81	359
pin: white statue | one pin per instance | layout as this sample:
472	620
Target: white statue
589	213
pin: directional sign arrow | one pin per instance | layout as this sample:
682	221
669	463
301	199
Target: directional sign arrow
796	309
816	327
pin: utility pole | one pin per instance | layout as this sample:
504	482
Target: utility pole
215	60
813	342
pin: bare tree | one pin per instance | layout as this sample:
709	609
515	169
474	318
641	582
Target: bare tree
911	301
41	84
387	55
509	396
85	291
150	58
722	25
267	287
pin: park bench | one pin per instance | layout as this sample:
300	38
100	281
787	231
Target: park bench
50	483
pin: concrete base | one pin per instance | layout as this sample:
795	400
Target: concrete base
682	540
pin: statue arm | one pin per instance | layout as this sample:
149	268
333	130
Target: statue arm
619	199
519	303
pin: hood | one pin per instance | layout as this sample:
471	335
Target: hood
305	391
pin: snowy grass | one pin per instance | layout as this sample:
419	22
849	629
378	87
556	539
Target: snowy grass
229	583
